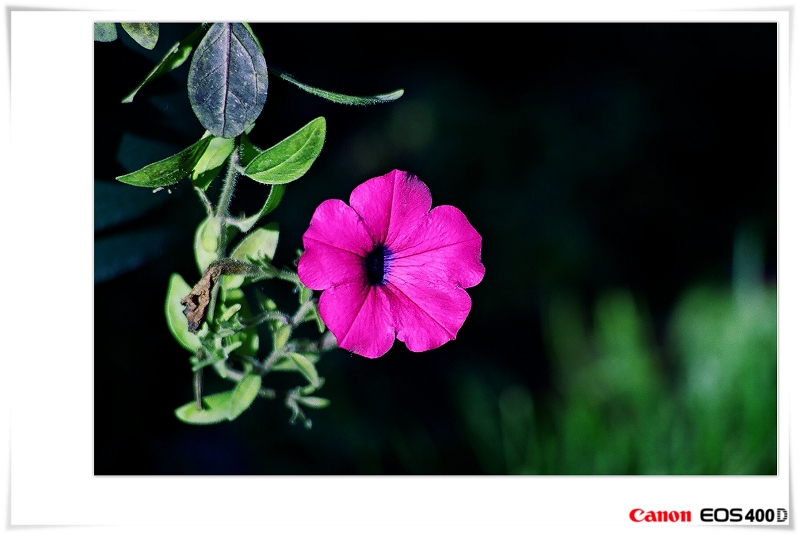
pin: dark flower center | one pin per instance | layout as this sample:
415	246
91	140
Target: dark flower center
377	264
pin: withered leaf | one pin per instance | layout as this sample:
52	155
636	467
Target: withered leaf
197	300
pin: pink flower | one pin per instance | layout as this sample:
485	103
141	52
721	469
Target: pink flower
389	265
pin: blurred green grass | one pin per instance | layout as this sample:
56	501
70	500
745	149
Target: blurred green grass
703	402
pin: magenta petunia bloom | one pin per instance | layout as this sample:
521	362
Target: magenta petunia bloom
390	266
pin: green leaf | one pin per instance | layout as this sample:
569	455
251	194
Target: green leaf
170	170
174	58
206	241
248	338
216	408
281	336
273	200
291	158
144	33
305	367
314	402
105	32
212	160
227	80
288	365
247	151
339	97
259	244
244	394
176	320
313	314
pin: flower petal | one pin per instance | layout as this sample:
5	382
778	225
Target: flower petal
444	247
391	205
359	317
427	314
335	243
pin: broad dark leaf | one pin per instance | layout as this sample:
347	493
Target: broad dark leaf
227	80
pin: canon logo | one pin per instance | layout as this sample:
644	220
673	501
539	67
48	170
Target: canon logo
638	515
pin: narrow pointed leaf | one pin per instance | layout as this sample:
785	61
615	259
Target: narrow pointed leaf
170	170
174	58
339	97
216	409
281	336
290	159
105	32
144	33
227	80
176	320
288	365
314	402
244	394
305	367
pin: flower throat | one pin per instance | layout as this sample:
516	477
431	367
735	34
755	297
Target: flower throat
377	264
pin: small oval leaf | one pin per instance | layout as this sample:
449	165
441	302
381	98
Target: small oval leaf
306	367
170	170
227	80
144	33
216	409
178	325
206	240
291	158
105	32
339	97
244	394
259	244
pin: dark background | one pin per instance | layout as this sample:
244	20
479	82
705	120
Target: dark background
624	180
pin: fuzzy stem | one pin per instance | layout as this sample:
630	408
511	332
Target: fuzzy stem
225	201
263	317
301	312
206	201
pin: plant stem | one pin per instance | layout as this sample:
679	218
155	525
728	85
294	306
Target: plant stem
205	200
198	388
300	315
266	315
225	200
